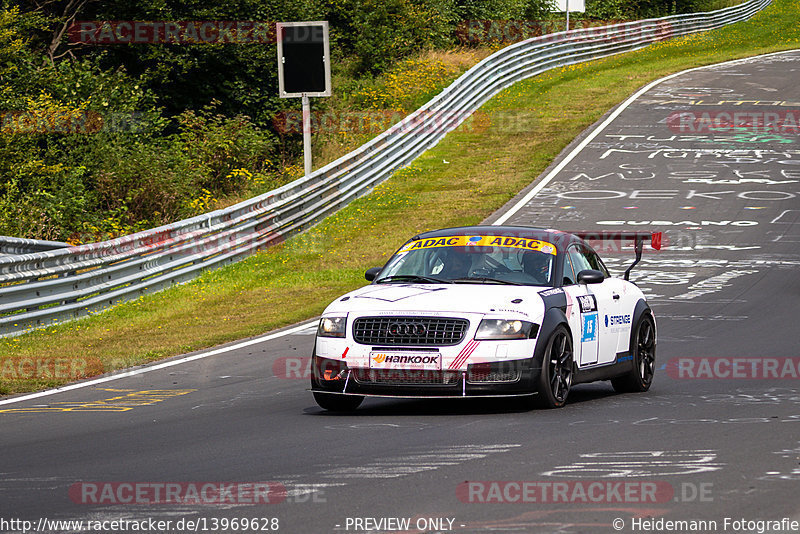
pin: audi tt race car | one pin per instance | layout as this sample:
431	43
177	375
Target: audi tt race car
487	311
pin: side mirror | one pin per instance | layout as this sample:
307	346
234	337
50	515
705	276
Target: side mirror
590	276
372	273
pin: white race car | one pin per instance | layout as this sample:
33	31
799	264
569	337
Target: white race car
487	311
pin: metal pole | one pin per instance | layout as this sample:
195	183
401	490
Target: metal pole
567	29
307	134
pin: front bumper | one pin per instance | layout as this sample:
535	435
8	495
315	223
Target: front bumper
495	379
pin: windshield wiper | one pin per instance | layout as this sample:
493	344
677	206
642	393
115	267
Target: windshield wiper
412	278
485	279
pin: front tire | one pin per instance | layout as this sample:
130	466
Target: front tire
643	346
555	380
338	403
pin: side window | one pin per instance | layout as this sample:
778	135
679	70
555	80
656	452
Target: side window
569	275
407	263
579	260
594	260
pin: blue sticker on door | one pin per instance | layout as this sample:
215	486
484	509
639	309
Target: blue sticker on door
589	327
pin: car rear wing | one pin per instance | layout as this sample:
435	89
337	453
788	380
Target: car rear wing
637	237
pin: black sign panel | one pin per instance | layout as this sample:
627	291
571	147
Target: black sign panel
303	61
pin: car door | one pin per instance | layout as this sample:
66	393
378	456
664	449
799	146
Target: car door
582	314
597	304
616	319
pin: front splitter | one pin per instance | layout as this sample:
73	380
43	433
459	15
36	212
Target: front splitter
387	396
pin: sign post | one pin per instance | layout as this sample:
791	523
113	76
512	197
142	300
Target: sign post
306	134
304	69
578	6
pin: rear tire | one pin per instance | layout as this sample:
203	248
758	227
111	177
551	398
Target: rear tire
338	403
555	380
643	346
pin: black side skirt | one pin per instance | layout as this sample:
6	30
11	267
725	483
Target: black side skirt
622	365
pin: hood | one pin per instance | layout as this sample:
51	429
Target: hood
488	299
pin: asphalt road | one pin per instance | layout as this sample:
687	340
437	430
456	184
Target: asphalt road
704	444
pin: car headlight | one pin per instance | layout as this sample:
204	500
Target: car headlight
332	326
506	329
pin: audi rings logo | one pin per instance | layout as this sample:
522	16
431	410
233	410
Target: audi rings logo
406	329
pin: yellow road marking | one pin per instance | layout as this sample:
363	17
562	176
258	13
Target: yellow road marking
121	403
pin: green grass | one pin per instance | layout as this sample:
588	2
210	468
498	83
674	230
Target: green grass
487	167
720	4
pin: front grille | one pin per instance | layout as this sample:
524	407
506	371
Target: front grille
409	331
410	377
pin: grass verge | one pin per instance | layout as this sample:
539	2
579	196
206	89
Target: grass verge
464	179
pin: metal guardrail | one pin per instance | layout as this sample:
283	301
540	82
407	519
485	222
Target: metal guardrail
10	246
41	288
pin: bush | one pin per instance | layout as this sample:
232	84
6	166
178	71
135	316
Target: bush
120	138
641	9
216	145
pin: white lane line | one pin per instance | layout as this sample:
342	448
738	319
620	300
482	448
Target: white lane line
611	118
125	374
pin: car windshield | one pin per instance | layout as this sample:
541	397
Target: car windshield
472	259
